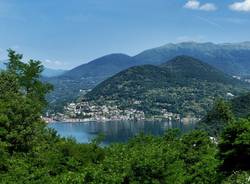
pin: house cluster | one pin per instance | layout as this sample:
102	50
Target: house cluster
169	115
92	112
245	79
87	111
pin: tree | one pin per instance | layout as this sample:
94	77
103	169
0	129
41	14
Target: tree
234	146
199	155
29	151
238	178
28	76
216	119
22	99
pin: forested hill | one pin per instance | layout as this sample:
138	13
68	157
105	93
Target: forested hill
183	85
188	67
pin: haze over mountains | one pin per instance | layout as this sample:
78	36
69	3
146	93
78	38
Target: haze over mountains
232	59
49	72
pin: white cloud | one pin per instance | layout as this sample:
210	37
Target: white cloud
192	4
208	7
196	5
241	6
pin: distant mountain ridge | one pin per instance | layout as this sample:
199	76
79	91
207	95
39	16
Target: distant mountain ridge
235	55
103	66
183	85
231	58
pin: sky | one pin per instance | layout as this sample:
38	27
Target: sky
64	34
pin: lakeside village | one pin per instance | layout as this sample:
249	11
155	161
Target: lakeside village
86	111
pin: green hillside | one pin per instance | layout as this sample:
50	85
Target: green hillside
231	58
183	85
188	67
224	113
241	106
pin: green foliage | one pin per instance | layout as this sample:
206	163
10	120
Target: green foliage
218	118
22	98
241	106
168	159
234	146
199	154
29	152
238	178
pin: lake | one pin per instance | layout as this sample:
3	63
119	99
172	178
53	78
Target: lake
114	131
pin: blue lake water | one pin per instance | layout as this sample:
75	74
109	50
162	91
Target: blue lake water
114	131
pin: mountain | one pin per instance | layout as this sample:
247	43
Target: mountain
48	72
183	85
102	67
189	67
229	58
84	77
232	59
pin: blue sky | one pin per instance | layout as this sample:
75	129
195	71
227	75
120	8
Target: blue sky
64	33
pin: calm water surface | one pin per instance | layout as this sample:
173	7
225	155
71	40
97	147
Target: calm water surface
114	131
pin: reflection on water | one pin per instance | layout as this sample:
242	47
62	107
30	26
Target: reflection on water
114	131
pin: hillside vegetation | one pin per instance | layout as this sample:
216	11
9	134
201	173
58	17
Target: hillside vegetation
183	85
241	106
232	59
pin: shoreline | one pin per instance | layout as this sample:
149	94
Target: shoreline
183	120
